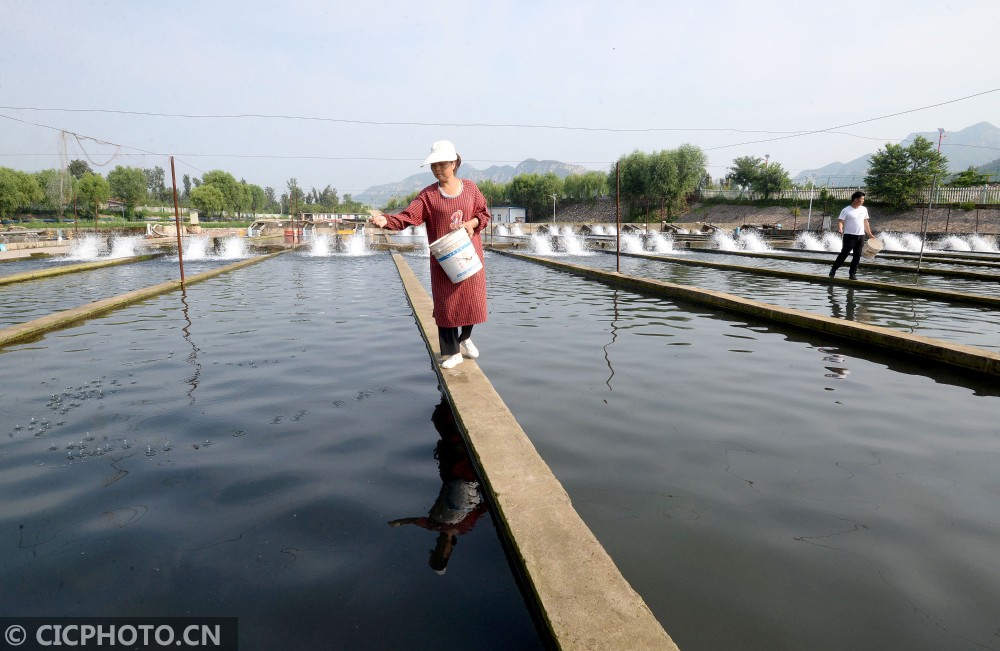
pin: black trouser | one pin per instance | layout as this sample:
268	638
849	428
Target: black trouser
449	339
852	244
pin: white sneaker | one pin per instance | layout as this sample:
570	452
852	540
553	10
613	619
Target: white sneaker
452	362
469	349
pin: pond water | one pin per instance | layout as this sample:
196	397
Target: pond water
251	442
268	444
761	488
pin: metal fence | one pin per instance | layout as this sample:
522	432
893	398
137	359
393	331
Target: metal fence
980	195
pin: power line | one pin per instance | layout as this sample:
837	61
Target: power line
854	124
781	134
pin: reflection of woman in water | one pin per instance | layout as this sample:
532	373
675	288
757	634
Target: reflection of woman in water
460	502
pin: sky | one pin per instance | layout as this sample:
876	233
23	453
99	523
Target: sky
366	87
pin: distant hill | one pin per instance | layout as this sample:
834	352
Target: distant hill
378	195
975	145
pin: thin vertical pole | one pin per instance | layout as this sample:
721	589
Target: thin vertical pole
618	219
930	203
927	217
177	220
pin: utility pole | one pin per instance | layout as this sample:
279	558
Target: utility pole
930	204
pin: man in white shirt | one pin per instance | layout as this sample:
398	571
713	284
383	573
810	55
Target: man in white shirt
853	225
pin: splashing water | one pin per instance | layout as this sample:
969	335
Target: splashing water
515	229
126	247
200	247
425	248
748	240
502	229
809	242
541	244
233	248
572	242
320	246
660	243
833	241
953	243
984	243
355	245
900	242
195	248
753	241
725	241
631	243
86	248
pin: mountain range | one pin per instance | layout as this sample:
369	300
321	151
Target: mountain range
378	195
976	146
973	146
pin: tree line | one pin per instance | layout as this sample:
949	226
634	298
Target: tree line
80	189
656	183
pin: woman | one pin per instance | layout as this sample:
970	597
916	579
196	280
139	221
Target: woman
447	205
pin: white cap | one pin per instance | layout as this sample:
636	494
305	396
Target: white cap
442	150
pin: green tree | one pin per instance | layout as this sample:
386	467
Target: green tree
208	199
534	192
328	198
186	182
226	183
771	179
18	190
586	187
129	185
55	187
898	175
495	193
92	190
396	204
258	199
272	204
661	180
295	198
156	183
743	171
78	168
969	178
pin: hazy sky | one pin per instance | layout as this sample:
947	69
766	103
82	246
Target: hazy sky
389	78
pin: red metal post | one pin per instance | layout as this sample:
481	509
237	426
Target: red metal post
177	219
618	219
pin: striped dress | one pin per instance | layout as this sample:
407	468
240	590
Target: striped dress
465	303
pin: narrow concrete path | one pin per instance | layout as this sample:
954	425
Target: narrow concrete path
583	599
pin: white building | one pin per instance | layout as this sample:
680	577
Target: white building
507	215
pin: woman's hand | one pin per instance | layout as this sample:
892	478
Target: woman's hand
377	218
470	226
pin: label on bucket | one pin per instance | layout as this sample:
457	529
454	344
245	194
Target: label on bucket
456	255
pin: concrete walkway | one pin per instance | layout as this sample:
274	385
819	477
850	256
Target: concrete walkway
583	599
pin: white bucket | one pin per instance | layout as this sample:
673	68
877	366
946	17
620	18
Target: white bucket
456	255
872	248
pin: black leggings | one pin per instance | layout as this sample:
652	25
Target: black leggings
449	339
852	244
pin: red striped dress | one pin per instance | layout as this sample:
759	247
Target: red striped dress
465	303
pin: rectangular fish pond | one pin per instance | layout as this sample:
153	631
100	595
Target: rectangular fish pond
760	487
269	445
